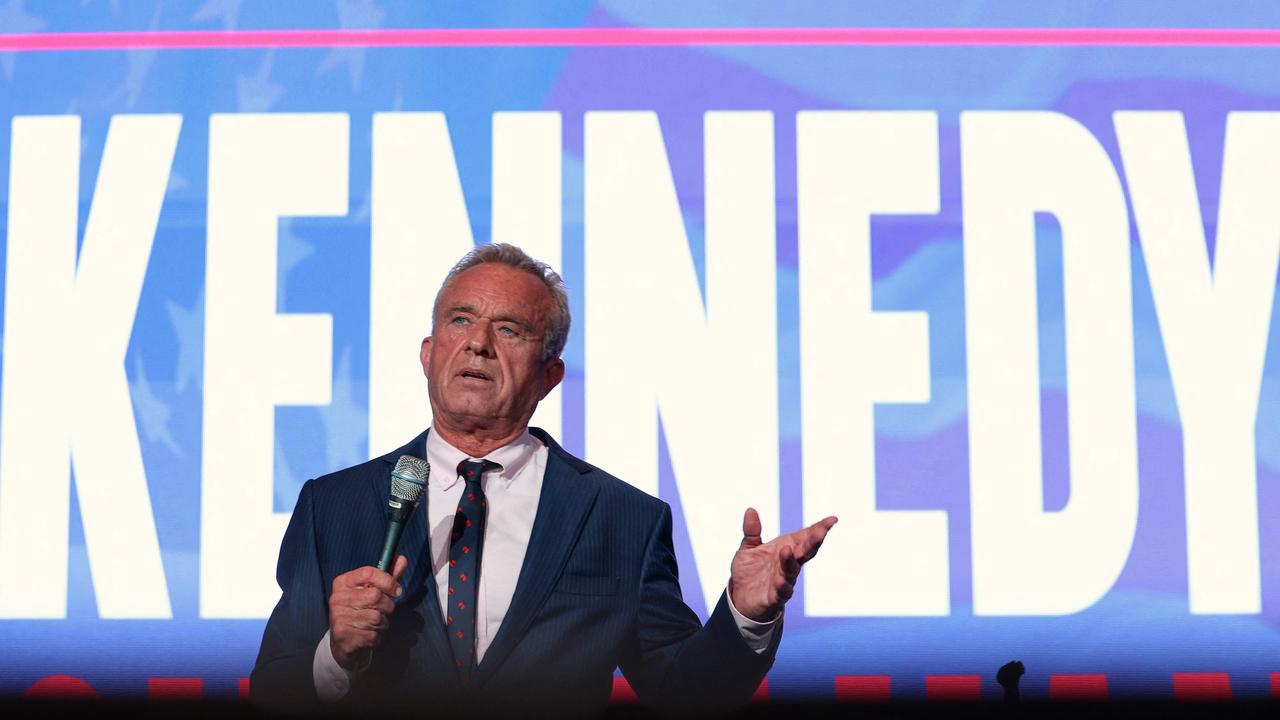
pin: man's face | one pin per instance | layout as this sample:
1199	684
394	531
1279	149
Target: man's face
484	362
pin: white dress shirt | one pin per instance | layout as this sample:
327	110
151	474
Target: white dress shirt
512	493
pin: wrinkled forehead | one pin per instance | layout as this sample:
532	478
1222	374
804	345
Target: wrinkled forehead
494	289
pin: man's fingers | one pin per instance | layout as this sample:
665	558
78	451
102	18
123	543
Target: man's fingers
823	526
354	578
787	562
369	576
785	591
363	598
813	536
384	605
751	527
368	597
377	622
366	619
360	609
398	567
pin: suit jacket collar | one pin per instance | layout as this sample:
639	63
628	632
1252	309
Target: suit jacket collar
567	497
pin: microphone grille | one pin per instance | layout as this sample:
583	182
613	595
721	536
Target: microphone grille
408	478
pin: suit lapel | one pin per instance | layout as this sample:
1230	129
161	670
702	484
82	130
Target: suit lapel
562	508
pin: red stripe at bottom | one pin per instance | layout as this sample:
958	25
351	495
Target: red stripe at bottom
166	688
622	691
863	688
953	687
1201	686
1078	687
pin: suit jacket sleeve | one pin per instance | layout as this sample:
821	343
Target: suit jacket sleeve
677	663
282	674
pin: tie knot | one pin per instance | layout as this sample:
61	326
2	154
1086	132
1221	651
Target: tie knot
471	470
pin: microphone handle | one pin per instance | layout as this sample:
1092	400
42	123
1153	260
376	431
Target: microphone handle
394	529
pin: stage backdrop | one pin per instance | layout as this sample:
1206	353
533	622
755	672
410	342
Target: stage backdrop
994	283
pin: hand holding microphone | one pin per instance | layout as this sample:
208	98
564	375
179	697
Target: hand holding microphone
362	600
360	610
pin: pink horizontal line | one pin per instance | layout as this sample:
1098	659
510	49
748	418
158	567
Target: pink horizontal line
641	37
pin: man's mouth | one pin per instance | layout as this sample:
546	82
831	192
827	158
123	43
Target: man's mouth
474	374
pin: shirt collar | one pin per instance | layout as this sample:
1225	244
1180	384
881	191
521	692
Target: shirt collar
513	457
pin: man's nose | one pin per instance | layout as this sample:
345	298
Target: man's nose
479	339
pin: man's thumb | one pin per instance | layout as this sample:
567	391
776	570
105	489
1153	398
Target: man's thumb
751	527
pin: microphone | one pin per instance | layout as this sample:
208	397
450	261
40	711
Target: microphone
407	479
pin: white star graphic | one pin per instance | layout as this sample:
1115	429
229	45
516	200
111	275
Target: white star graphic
352	15
188	327
153	413
256	93
138	64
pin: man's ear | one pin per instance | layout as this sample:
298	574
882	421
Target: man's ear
552	374
424	354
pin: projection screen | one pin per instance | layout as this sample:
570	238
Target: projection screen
994	283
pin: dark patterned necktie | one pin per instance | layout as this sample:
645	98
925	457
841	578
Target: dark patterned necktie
464	566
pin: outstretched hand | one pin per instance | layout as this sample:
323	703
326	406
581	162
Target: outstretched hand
763	575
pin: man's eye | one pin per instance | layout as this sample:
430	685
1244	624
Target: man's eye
505	330
459	320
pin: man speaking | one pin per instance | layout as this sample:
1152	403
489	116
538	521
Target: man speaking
528	575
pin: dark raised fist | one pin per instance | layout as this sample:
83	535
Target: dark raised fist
1008	676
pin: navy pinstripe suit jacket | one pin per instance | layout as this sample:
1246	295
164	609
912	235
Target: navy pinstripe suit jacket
598	590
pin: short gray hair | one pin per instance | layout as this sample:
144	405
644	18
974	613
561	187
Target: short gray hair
511	256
